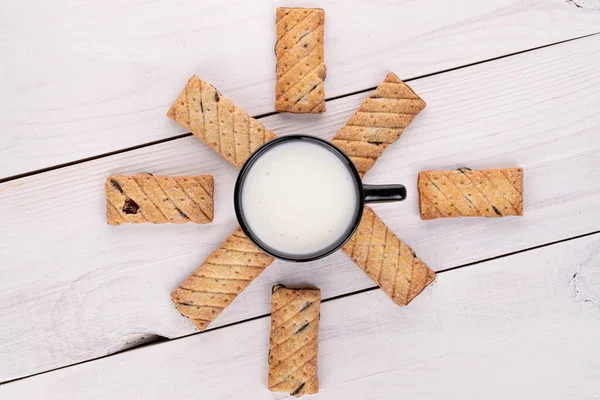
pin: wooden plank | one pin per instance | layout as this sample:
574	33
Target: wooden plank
86	79
510	328
80	289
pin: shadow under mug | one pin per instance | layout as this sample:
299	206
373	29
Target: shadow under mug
364	194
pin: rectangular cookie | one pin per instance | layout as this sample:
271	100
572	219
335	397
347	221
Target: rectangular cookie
389	262
294	340
300	66
145	198
378	122
212	117
467	193
218	281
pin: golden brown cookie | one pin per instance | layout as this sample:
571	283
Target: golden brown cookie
142	198
212	117
390	263
379	122
294	340
300	66
467	193
217	282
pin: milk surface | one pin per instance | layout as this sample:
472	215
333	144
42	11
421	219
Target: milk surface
299	197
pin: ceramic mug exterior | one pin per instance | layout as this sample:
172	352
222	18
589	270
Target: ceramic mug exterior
364	194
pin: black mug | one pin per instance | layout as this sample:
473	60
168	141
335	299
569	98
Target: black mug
365	194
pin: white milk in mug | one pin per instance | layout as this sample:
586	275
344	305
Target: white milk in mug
299	197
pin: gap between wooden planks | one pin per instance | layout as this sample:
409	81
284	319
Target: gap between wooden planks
513	328
79	289
182	135
97	77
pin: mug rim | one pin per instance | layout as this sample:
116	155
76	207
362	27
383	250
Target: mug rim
237	202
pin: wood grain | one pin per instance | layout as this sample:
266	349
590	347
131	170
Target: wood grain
84	79
79	289
509	329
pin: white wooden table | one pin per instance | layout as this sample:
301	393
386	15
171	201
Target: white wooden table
84	88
